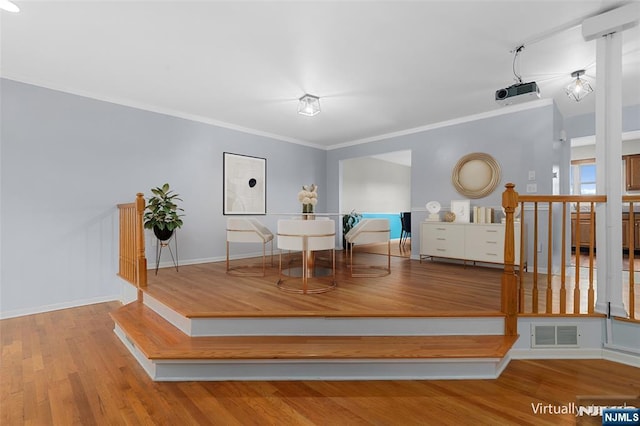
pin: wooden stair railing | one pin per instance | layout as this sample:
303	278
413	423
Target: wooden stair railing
509	302
526	291
133	263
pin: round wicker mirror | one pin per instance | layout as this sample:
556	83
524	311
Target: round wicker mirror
476	175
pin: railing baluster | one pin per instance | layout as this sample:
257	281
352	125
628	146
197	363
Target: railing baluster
632	269
576	284
521	294
549	299
534	291
592	237
563	262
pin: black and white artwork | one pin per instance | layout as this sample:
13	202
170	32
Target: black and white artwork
245	184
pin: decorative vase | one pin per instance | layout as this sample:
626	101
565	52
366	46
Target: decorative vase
307	211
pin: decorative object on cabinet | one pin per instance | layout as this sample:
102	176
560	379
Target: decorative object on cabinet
476	175
433	207
449	216
461	208
516	213
244	184
482	214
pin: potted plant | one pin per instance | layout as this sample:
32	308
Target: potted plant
349	221
162	213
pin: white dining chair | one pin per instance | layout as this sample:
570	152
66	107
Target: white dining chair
248	230
369	231
307	237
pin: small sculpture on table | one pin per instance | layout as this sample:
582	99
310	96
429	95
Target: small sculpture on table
433	207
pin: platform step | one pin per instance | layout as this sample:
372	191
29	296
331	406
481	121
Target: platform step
157	339
329	323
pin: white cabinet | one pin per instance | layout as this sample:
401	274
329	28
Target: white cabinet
466	241
442	240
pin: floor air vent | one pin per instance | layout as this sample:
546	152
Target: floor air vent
554	335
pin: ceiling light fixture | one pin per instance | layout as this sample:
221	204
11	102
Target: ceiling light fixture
578	88
9	6
309	105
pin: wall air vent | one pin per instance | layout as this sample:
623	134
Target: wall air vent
544	336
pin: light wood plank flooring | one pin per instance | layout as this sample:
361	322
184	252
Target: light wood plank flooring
68	368
412	289
430	288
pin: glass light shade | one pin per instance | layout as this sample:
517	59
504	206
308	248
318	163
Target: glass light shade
578	88
9	6
309	105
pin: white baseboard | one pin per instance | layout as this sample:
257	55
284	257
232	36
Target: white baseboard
564	353
622	355
58	306
169	264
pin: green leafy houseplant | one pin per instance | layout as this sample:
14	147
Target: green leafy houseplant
162	213
349	221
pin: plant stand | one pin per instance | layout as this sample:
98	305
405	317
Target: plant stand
166	243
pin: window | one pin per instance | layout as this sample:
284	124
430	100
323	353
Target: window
583	177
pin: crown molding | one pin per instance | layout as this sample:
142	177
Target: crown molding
480	116
159	110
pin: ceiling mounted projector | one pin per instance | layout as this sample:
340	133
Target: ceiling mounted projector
518	93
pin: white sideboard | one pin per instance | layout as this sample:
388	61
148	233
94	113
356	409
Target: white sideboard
466	241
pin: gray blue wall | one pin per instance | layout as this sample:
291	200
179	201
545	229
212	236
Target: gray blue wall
521	141
66	161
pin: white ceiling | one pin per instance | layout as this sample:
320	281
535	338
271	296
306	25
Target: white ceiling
378	67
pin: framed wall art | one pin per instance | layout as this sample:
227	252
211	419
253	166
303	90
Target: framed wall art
461	208
245	184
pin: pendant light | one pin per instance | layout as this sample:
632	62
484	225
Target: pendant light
579	88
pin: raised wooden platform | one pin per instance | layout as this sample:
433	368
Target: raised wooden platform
158	339
423	321
412	289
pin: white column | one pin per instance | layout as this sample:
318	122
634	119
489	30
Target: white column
609	174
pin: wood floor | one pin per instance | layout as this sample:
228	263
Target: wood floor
412	289
68	368
428	288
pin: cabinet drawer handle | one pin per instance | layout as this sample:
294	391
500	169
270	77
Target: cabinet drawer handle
491	254
441	229
491	242
441	239
441	250
491	230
